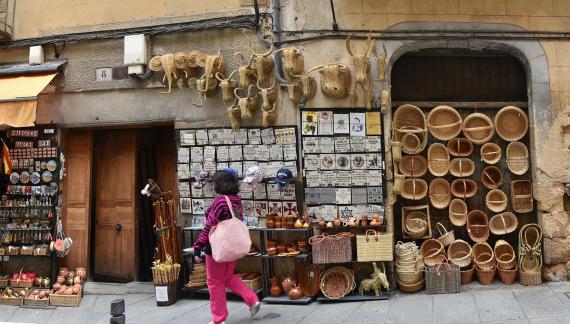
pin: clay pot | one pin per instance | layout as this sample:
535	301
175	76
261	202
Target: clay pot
281	248
81	272
322	223
337	222
290	222
364	221
275	289
306	225
295	293
330	224
352	222
269	223
278	222
63	272
288	283
298	224
271	251
271	244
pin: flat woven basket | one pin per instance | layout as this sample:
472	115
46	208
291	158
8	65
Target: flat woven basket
421	212
505	255
463	188
439	193
413	166
412	143
430	250
503	223
374	246
438	160
511	123
411	288
477	226
461	167
337	282
484	256
521	196
414	189
445	237
458	212
410	128
443	278
496	200
444	123
478	128
460	147
460	253
490	153
331	248
416	224
517	158
492	177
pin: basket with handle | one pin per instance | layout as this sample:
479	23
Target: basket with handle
331	248
467	274
414	189
430	250
460	147
490	153
461	167
413	166
458	212
438	160
460	253
445	237
463	188
439	193
521	196
337	282
485	277
508	276
511	123
496	200
503	223
374	246
478	128
517	158
477	226
413	229
505	255
412	287
444	122
442	278
491	177
484	256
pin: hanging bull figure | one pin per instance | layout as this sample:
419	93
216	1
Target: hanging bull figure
246	103
227	85
268	95
246	71
206	85
308	85
234	115
335	79
187	63
362	66
264	63
381	62
293	59
294	91
268	115
164	62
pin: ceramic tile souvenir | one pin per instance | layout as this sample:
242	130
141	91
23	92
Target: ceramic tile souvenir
314	213
343	178
326	123
260	192
358	161
357	124
313	196
208	189
196	192
235	153
195	168
374	178
197	154
274	166
373	123
329	212
285	135
310	123
289	208
345	212
311	162
227	136
240	136
267	136
343	196
276	152
358	144
210	166
373	161
373	144
289	152
359	211
326	144
311	145
327	161
184	189
327	178
289	193
187	137
183	155
342	144
248	207
273	192
202	137
198	206
209	153
261	208
313	178
262	153
275	207
341	123
375	195
215	136
222	153
183	171
343	161
265	168
254	136
248	164
220	166
249	151
185	205
291	165
238	166
376	209
358	177
198	221
359	196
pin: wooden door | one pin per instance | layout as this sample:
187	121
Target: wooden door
115	234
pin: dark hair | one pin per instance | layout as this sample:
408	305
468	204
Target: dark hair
225	183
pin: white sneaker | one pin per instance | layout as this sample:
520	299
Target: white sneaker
255	309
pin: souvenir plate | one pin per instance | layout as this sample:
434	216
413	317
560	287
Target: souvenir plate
46	176
14	177
53	189
51	165
25	177
35	177
43	165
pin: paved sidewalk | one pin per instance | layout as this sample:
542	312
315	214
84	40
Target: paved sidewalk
475	304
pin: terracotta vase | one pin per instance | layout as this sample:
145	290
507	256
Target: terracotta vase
288	283
269	223
337	222
278	222
322	223
295	293
275	289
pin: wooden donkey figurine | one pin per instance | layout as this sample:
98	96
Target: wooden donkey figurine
377	281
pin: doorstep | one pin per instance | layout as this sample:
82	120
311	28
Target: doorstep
106	288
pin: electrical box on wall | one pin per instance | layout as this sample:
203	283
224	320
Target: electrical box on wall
36	55
135	55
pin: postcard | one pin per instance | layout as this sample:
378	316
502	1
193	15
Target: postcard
310	123
341	123
326	123
357	124
346	212
244	192
215	136
265	168
198	221
184	186
373	123
326	144
227	136
254	136
375	195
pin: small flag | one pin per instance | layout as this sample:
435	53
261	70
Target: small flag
6	158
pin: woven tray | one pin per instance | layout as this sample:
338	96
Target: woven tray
65	300
37	302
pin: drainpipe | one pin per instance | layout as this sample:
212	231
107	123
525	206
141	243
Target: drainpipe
275	26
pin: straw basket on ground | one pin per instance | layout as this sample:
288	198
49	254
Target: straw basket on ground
416	222
411	288
478	128
485	277
477	226
503	223
414	189
517	158
439	193
460	147
438	160
444	123
445	237
492	177
337	282
521	196
511	123
467	274
463	188
496	200
410	128
490	153
505	255
413	166
461	167
459	252
508	276
484	256
430	250
458	212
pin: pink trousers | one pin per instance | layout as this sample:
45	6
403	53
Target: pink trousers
219	277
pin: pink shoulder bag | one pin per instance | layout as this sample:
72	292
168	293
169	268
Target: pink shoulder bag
229	239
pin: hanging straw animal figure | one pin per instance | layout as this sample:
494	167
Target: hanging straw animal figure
268	105
234	115
247	103
377	280
227	85
335	79
164	62
186	63
381	62
294	91
206	85
363	76
264	63
246	70
293	59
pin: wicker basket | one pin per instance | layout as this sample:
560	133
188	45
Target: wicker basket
398	183
461	167
396	150
37	302
508	276
411	288
337	282
511	123
496	200
410	128
484	256
478	128
517	158
13	301
445	237
439	193
412	143
13	250
521	196
438	160
485	277
505	255
413	166
443	278
65	300
492	177
373	246
460	147
444	123
331	248
416	225
414	189
503	223
530	278
463	188
458	212
421	212
460	253
410	278
27	250
21	283
467	274
430	250
255	283
477	226
4	283
490	153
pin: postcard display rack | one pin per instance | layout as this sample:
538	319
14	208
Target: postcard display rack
218	148
344	170
30	201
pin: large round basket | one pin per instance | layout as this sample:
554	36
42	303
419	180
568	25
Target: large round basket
508	276
463	188
460	147
439	193
530	278
490	153
459	252
416	225
444	122
483	256
411	288
517	158
410	278
445	237
477	226
458	212
412	143
438	160
492	177
505	255
467	274
503	223
410	127
478	128
496	200
414	189
511	123
461	167
413	166
485	277
430	250
337	282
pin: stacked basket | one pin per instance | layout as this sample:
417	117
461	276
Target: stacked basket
409	267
